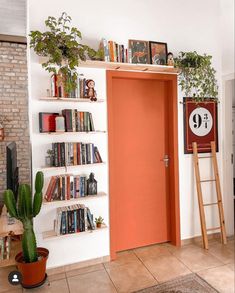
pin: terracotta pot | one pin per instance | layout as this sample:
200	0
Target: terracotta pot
34	274
98	225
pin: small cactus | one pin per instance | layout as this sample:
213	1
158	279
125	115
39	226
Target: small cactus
24	210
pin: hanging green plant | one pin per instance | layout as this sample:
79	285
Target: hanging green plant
197	76
61	44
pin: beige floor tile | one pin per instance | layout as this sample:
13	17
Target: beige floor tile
131	277
148	252
56	277
231	266
222	252
4	284
231	245
221	278
60	286
85	270
94	282
166	267
196	259
123	257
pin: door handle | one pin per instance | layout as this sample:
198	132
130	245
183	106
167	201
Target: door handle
166	160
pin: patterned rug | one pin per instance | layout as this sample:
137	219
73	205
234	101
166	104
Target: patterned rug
187	284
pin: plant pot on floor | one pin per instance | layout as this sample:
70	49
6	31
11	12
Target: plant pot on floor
34	274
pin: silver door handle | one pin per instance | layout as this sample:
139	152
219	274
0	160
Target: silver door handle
166	160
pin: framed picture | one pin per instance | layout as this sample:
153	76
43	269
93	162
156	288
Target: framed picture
158	53
200	125
139	51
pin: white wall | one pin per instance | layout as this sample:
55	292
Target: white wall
227	36
183	24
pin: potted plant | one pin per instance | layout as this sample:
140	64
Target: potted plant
31	262
197	76
99	221
61	44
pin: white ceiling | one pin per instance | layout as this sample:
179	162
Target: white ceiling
13	17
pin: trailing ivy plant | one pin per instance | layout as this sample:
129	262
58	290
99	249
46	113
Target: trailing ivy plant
61	44
197	76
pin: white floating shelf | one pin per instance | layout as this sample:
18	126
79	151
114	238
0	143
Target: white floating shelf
124	66
51	235
75	100
62	203
69	167
73	133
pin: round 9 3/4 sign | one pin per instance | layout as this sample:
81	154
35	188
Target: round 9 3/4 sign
200	121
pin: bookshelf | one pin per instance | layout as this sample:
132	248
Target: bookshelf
73	100
124	66
93	244
15	248
51	235
62	203
73	133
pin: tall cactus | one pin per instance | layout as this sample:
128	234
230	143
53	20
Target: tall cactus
24	210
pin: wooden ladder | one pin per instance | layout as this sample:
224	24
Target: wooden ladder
200	197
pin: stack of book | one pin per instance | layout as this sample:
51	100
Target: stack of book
74	219
77	121
75	153
5	247
66	187
114	52
58	88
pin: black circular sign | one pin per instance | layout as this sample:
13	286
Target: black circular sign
15	278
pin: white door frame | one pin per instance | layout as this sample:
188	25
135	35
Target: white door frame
227	151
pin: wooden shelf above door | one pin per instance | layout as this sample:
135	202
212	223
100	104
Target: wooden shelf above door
124	66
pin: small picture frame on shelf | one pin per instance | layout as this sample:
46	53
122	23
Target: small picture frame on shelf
158	53
138	51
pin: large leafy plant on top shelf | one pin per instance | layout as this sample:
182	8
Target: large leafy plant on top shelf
24	210
197	76
61	44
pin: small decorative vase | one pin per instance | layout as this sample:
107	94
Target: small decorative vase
91	185
60	124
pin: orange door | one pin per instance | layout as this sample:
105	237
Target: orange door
138	139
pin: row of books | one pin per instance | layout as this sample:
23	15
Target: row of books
66	187
78	121
58	87
114	52
75	153
74	219
5	247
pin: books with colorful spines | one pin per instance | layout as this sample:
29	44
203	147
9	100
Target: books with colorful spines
88	154
2	248
50	188
73	120
79	153
104	47
55	154
78	122
111	50
62	147
91	224
98	158
68	188
75	162
82	121
91	122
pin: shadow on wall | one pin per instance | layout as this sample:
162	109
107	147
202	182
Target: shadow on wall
14	109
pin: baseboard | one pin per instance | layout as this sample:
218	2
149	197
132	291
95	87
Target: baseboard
198	239
78	265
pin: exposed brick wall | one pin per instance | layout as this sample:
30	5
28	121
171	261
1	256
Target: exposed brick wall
14	106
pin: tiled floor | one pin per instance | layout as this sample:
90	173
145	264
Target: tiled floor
141	268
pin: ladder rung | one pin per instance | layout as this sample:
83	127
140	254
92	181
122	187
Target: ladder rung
205	157
210	204
209	180
211	229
